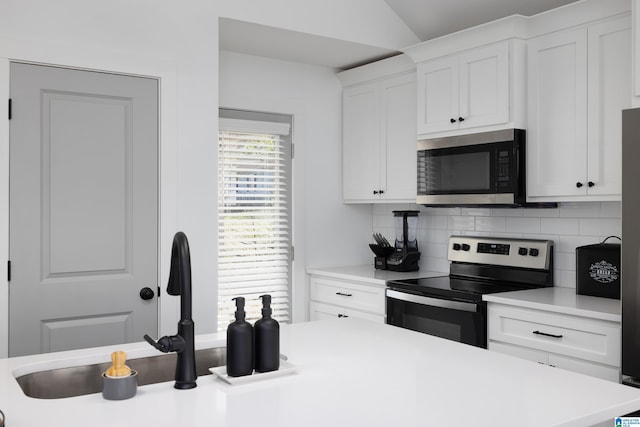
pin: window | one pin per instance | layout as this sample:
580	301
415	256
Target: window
254	213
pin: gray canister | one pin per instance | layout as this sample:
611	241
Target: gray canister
119	388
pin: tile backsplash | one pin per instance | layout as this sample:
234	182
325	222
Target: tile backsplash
569	225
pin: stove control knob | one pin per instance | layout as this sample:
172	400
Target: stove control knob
533	252
465	247
456	246
522	251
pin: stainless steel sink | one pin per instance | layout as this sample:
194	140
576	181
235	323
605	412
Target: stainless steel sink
87	379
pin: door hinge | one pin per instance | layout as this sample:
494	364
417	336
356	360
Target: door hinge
9	108
8	271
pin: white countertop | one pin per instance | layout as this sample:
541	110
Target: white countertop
561	300
351	372
368	274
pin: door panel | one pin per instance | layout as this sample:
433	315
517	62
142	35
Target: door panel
83	208
438	95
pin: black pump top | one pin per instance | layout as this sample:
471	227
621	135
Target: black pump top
240	314
266	305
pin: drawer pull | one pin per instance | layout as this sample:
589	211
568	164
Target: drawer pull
340	315
343	294
547	335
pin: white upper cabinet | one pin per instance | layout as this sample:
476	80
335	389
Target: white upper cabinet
579	80
464	91
379	140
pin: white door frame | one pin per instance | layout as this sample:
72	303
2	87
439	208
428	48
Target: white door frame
117	62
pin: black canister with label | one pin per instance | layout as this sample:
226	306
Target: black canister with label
598	270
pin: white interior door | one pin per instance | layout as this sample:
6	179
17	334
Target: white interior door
83	238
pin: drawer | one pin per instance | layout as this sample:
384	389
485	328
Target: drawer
320	311
574	336
350	295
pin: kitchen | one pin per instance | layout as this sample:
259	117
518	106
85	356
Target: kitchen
326	220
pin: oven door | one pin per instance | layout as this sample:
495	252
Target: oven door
465	322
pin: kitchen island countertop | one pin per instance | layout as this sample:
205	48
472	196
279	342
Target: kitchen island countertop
349	372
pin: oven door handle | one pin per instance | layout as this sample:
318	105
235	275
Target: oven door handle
437	302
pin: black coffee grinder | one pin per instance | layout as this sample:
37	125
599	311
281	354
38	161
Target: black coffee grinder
406	255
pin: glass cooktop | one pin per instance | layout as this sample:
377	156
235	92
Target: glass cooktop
452	287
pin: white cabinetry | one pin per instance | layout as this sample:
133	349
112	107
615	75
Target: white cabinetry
578	82
339	298
379	140
466	90
579	344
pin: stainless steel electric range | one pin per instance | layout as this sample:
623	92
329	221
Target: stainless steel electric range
451	306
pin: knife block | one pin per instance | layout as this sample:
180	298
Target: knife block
382	253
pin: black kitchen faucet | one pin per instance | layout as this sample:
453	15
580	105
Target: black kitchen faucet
183	342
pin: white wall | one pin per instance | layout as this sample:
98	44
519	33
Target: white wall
569	226
326	232
178	43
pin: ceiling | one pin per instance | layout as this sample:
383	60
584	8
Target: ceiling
428	19
271	42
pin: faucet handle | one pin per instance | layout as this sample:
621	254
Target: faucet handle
157	344
167	344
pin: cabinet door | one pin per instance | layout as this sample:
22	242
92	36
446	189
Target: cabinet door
484	86
608	373
557	113
438	95
609	91
520	352
361	142
398	121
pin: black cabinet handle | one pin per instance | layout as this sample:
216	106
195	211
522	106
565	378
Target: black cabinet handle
343	294
453	120
381	191
461	119
340	315
375	191
579	184
547	335
591	184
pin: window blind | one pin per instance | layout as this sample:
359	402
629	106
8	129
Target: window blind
253	217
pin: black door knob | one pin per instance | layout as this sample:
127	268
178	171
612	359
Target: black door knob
591	184
453	120
578	184
375	191
147	293
461	119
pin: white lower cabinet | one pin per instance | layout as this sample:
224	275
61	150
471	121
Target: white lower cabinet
338	298
580	344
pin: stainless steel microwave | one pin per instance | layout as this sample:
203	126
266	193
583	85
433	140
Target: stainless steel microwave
473	170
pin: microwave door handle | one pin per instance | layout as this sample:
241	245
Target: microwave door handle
436	302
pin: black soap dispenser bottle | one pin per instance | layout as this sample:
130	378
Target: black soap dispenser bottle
239	343
267	332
